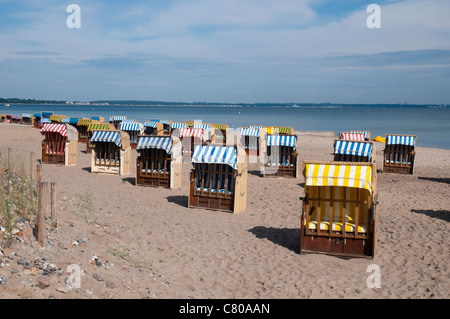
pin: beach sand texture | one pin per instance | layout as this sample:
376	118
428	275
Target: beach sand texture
153	246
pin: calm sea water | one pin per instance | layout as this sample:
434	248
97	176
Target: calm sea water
431	126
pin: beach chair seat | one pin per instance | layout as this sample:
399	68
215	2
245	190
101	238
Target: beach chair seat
218	178
354	151
281	158
111	153
399	154
60	145
339	210
159	161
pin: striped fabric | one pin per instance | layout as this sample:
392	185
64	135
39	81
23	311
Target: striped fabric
279	130
98	127
249	131
215	155
107	136
117	118
54	127
74	120
56	118
282	140
150	124
203	126
400	139
366	134
353	148
26	115
164	143
65	120
220	126
256	126
130	126
357	176
194	132
352	136
84	122
175	125
165	122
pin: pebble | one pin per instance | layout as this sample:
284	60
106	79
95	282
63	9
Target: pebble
98	277
110	284
44	281
23	262
63	289
2	280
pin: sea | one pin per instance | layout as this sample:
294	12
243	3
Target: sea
431	125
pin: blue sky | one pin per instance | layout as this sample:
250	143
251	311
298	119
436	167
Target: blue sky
227	51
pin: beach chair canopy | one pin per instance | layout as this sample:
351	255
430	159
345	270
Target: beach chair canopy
203	126
353	148
28	116
256	126
99	127
56	127
176	125
352	136
117	118
220	126
152	124
279	130
355	175
45	120
191	132
366	133
37	115
47	114
119	138
84	122
57	118
400	140
215	155
282	140
63	129
98	118
65	120
147	142
249	131
130	125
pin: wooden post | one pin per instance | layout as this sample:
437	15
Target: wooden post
53	204
32	166
38	177
40	218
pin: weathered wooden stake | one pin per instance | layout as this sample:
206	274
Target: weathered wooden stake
32	166
40	218
53	204
38	171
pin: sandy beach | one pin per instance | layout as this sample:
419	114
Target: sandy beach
149	244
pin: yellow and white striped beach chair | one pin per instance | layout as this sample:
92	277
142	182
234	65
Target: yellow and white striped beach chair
339	208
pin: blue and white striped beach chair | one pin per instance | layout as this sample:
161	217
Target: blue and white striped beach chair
399	154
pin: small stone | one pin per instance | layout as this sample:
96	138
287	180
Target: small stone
63	289
110	284
44	281
2	280
98	277
23	262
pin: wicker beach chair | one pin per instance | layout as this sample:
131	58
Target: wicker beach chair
282	155
159	161
192	136
354	151
220	132
218	178
355	136
27	119
253	141
116	120
60	145
98	126
111	153
339	210
82	126
399	154
152	128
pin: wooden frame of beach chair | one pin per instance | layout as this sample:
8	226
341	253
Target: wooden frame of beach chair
152	128
253	140
354	136
354	151
218	179
134	129
159	161
282	153
60	145
111	153
399	154
339	209
95	127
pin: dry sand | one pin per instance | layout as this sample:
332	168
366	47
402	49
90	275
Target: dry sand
151	245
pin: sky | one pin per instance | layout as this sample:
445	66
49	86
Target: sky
229	51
